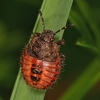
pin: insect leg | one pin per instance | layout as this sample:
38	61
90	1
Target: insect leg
60	42
42	20
64	28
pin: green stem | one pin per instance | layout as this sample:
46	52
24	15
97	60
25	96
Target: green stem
55	13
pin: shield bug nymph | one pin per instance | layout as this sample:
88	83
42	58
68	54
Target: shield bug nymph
41	60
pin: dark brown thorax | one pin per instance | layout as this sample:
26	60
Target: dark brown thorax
43	46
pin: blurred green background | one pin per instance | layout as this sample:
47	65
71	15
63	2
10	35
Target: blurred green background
82	47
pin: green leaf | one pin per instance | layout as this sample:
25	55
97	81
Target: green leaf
89	16
84	21
1	98
84	83
81	17
86	40
55	13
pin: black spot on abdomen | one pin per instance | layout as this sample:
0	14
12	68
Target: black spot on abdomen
36	79
36	71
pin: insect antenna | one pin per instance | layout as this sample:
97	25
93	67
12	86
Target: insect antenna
42	20
64	28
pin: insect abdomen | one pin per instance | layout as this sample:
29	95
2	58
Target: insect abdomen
38	73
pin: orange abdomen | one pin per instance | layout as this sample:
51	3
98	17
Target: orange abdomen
38	73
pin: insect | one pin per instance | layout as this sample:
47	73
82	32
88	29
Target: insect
41	60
